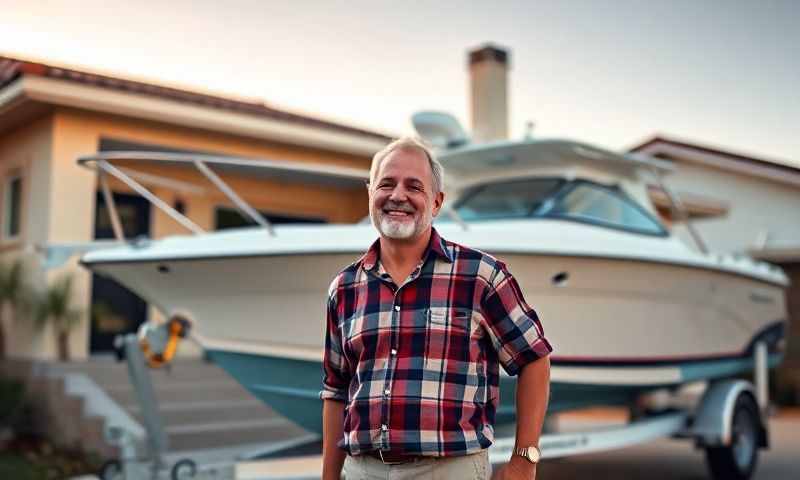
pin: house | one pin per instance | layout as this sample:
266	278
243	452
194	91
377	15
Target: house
51	115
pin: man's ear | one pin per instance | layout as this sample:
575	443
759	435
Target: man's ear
438	201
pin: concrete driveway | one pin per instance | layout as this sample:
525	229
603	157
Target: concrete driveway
659	460
678	460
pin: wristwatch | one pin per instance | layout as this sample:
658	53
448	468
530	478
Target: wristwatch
530	453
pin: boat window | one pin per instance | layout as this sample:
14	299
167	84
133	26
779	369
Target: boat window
597	204
516	199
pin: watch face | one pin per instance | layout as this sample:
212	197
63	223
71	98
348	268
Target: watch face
533	454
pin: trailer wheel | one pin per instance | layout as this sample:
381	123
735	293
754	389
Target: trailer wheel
738	460
111	470
183	469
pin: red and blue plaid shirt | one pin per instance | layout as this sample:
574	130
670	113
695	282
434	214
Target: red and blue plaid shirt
417	364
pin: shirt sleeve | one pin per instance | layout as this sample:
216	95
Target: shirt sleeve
335	376
513	326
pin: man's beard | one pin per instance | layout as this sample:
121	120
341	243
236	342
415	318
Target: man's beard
400	229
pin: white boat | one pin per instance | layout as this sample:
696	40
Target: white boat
628	307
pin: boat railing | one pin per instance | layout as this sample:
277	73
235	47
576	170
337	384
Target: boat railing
678	210
102	163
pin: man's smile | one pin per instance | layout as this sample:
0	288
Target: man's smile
397	213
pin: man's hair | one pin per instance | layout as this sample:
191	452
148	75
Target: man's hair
410	142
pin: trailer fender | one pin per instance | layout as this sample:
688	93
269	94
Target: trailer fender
713	420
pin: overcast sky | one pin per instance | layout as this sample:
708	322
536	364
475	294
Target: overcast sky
721	73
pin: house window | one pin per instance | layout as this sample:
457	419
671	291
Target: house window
226	217
12	207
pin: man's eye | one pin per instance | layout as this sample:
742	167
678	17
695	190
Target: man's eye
385	185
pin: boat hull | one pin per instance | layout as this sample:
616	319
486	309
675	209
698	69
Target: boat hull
291	386
595	311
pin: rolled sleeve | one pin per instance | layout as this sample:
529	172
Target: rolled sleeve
513	326
335	376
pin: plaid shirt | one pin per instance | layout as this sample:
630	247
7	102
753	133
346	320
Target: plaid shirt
417	365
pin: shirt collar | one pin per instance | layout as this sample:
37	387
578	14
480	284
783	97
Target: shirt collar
436	245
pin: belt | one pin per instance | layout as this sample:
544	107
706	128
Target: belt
394	458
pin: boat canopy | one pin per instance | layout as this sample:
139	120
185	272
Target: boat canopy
472	159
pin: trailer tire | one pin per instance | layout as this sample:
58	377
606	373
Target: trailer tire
183	470
738	460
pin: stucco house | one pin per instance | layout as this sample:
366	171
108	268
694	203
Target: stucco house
50	116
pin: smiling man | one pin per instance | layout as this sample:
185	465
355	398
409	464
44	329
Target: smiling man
416	331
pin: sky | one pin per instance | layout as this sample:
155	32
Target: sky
613	73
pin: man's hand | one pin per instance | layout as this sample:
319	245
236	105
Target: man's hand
517	469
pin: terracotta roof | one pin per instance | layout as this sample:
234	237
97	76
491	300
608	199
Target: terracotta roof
714	151
12	69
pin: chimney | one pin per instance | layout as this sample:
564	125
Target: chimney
488	76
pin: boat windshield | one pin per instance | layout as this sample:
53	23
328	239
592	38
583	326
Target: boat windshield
515	199
579	200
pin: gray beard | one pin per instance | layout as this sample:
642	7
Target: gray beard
397	230
400	230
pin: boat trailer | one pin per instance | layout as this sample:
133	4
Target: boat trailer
729	423
154	347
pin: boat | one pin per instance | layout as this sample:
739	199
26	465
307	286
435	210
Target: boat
629	307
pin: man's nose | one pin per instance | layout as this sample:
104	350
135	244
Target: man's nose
399	194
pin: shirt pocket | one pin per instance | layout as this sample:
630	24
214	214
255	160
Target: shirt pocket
447	339
449	317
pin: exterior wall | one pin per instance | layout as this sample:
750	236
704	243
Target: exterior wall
756	206
27	151
793	337
788	375
72	215
59	201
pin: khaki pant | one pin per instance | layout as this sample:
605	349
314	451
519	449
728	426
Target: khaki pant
468	467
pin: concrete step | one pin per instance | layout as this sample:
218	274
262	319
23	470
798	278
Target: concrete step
225	434
189	413
172	395
126	390
116	374
202	408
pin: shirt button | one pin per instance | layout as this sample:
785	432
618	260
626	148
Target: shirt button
397	308
394	352
384	428
387	392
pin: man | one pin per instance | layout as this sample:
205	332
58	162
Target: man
416	329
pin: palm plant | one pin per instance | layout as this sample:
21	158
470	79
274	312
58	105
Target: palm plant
12	294
53	305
